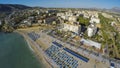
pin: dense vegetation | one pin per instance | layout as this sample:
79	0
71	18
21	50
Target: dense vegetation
12	7
84	21
5	10
111	37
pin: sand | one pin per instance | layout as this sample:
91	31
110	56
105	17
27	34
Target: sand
37	53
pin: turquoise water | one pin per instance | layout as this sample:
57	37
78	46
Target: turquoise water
15	53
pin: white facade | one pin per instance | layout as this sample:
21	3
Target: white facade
69	14
38	12
73	28
96	20
107	15
64	17
86	16
39	21
113	23
27	22
60	14
72	19
91	43
91	30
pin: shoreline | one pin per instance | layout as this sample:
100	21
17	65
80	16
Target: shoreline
38	53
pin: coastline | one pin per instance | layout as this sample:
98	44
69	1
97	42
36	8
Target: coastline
38	52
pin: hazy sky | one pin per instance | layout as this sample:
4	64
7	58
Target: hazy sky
66	3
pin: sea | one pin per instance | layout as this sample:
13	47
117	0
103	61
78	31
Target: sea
15	52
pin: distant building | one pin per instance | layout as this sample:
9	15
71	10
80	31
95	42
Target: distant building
65	17
95	20
40	21
107	15
60	20
69	13
26	22
60	14
72	19
113	23
91	30
49	20
119	19
74	28
86	16
38	12
90	43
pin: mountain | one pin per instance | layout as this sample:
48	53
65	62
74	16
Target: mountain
116	9
12	7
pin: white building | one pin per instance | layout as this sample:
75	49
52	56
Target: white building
113	23
90	43
96	20
107	15
74	28
60	14
40	21
72	19
69	13
86	15
38	12
27	22
91	30
64	17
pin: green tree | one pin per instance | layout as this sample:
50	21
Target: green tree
83	20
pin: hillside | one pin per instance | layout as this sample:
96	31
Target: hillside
12	7
115	9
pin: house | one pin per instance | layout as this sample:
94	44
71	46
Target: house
113	23
40	21
69	13
86	16
27	22
60	14
94	20
72	19
64	17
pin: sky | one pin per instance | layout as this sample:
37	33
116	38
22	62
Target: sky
66	3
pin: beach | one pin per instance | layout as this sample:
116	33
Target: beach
35	48
44	42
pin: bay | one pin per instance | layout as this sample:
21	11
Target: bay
15	53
